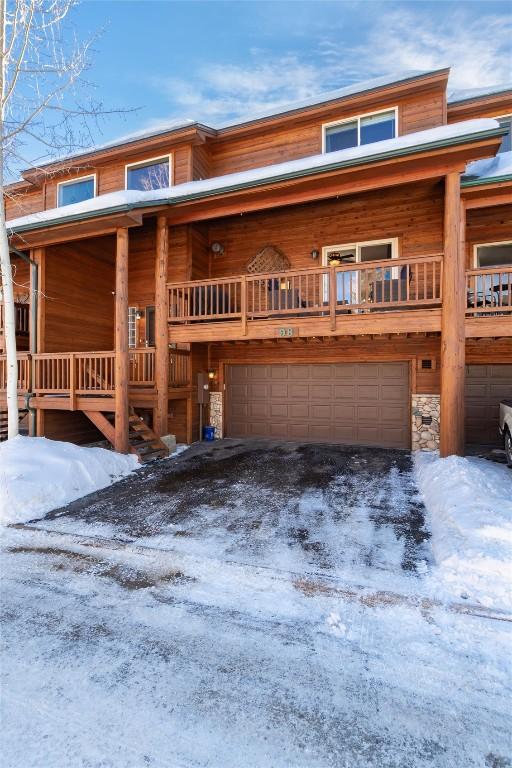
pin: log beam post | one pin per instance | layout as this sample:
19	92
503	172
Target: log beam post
453	322
161	330
122	362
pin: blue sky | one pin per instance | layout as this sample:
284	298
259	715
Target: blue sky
213	61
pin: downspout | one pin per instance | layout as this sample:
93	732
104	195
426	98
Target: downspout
34	283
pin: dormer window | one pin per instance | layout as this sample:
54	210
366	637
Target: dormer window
76	191
360	130
150	174
506	142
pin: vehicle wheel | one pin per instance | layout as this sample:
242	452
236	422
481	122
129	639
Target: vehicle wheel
508	447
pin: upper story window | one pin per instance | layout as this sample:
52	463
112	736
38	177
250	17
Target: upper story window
506	142
150	174
364	129
76	191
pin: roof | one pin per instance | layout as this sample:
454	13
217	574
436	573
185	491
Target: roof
471	94
325	97
490	170
125	200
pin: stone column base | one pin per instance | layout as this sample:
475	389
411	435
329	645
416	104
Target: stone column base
425	422
216	403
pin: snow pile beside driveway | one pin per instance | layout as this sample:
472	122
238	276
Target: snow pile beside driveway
469	502
38	475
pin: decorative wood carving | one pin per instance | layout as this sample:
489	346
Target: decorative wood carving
269	259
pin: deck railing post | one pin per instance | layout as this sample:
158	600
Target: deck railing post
72	383
243	303
332	297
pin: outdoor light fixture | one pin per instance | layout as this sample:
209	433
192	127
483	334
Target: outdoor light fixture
140	314
315	253
217	248
212	375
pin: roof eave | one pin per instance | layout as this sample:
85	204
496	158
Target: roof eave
287	176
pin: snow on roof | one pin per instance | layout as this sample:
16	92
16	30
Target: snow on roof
131	199
490	168
162	128
466	94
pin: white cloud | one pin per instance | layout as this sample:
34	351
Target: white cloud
476	46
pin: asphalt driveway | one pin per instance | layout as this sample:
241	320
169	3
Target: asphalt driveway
258	604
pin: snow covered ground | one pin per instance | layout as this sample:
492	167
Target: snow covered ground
231	638
37	475
469	501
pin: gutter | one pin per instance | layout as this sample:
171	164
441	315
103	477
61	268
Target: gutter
486	180
302	173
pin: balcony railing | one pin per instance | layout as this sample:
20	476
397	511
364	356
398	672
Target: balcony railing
368	287
74	374
489	291
23	372
21	318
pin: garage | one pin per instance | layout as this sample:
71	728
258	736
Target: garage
486	386
349	403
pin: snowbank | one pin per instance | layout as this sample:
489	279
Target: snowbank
469	501
37	475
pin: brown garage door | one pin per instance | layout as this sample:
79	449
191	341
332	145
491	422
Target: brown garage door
486	386
358	404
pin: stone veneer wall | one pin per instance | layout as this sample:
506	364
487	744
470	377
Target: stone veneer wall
425	436
216	412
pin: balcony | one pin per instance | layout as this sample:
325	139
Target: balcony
371	297
72	380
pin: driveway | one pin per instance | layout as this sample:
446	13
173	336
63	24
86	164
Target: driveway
246	604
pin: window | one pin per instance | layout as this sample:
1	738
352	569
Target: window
493	255
354	287
76	191
132	327
150	326
365	129
151	174
506	142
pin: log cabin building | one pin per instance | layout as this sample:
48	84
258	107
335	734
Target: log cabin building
339	270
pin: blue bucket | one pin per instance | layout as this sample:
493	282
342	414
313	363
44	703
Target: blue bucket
208	433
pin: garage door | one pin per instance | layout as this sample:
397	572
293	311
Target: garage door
486	386
358	404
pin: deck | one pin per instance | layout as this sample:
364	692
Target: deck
391	296
86	380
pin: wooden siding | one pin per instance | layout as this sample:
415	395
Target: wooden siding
414	214
304	136
490	106
78	307
487	225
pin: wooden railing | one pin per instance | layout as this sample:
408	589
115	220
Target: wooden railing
371	287
489	291
91	373
23	372
180	370
21	318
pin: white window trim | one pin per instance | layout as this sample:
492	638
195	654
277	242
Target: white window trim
394	241
476	246
325	126
76	180
148	161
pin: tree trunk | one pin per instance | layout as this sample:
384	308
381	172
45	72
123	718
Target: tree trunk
5	266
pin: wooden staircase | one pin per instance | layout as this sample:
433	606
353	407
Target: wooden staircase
144	443
4	420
